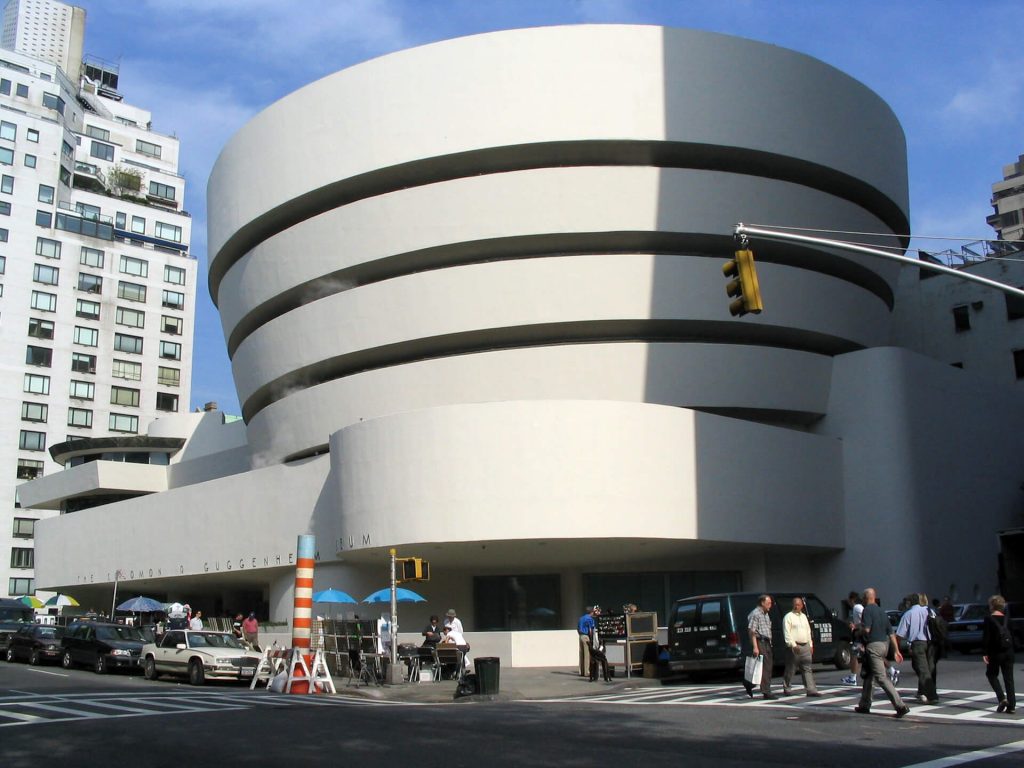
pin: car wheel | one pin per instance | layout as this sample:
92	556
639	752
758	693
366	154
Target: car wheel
149	669
33	658
100	667
196	675
10	656
842	657
66	661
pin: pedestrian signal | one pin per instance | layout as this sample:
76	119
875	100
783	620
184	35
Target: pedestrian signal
412	569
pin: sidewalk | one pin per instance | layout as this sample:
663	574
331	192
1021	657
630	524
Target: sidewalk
515	684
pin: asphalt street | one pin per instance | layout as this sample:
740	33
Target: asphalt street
50	715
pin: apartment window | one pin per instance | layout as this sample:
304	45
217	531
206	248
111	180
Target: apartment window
29	469
30	161
7	184
120	220
6	156
102	151
82	390
168	232
66	151
146	148
91	212
173	300
91	257
22	557
82	363
43	273
90	283
5	89
126	369
40	329
34	412
131	291
5	208
3	264
16	586
122	422
32	441
172	325
124	396
174	275
166	401
170	350
65	176
962	318
44	219
133	318
3	235
96	132
1018	363
138	225
87	310
21	90
50	249
168	377
41	356
33	135
36	384
87	337
8	131
80	417
54	102
136	267
163	191
24	527
125	343
44	302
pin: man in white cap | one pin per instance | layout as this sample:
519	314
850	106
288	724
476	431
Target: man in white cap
451	621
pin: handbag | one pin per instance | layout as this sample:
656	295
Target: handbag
752	669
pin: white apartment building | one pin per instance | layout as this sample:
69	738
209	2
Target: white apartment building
1008	203
98	285
47	30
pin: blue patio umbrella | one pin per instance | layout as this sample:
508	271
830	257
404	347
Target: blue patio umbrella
403	596
141	604
333	596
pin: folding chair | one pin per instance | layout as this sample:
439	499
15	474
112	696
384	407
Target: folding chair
447	656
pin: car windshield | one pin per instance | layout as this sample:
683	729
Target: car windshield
49	633
20	615
118	633
212	640
974	613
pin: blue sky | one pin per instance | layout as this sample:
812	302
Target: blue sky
952	70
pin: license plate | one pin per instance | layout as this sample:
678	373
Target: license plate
247	672
712	642
972	627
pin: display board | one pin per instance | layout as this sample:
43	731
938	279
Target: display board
611	626
642	624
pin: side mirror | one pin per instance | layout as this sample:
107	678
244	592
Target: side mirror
180	646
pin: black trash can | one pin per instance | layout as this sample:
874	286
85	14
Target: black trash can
488	674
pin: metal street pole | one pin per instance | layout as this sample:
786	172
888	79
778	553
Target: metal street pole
393	673
773	234
113	602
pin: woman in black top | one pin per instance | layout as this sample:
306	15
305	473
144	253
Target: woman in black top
997	658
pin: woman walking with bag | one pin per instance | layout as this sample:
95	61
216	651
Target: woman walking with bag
997	644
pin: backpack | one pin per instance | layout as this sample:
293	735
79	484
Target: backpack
1005	638
938	631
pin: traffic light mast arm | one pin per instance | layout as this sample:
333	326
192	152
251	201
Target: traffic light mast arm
743	231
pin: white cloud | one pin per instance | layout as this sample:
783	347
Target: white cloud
995	94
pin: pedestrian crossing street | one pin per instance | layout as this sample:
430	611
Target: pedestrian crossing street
959	706
18	709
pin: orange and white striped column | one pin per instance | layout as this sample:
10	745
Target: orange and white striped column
302	618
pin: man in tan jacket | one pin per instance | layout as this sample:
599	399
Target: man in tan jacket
796	631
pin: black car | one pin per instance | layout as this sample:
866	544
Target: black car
709	632
35	643
14	615
102	645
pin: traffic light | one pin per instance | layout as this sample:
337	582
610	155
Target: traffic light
412	569
743	287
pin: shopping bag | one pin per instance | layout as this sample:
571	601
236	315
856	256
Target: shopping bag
752	669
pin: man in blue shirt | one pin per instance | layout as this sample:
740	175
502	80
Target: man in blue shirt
878	635
913	628
586	624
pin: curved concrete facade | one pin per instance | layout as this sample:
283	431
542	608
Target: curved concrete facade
452	205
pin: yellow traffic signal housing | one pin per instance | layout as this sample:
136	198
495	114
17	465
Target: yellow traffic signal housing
743	287
412	569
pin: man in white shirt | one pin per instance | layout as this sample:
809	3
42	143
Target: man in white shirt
796	631
196	623
451	621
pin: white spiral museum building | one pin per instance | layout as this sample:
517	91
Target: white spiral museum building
473	299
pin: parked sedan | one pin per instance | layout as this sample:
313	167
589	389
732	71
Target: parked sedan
965	632
101	645
201	655
35	643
